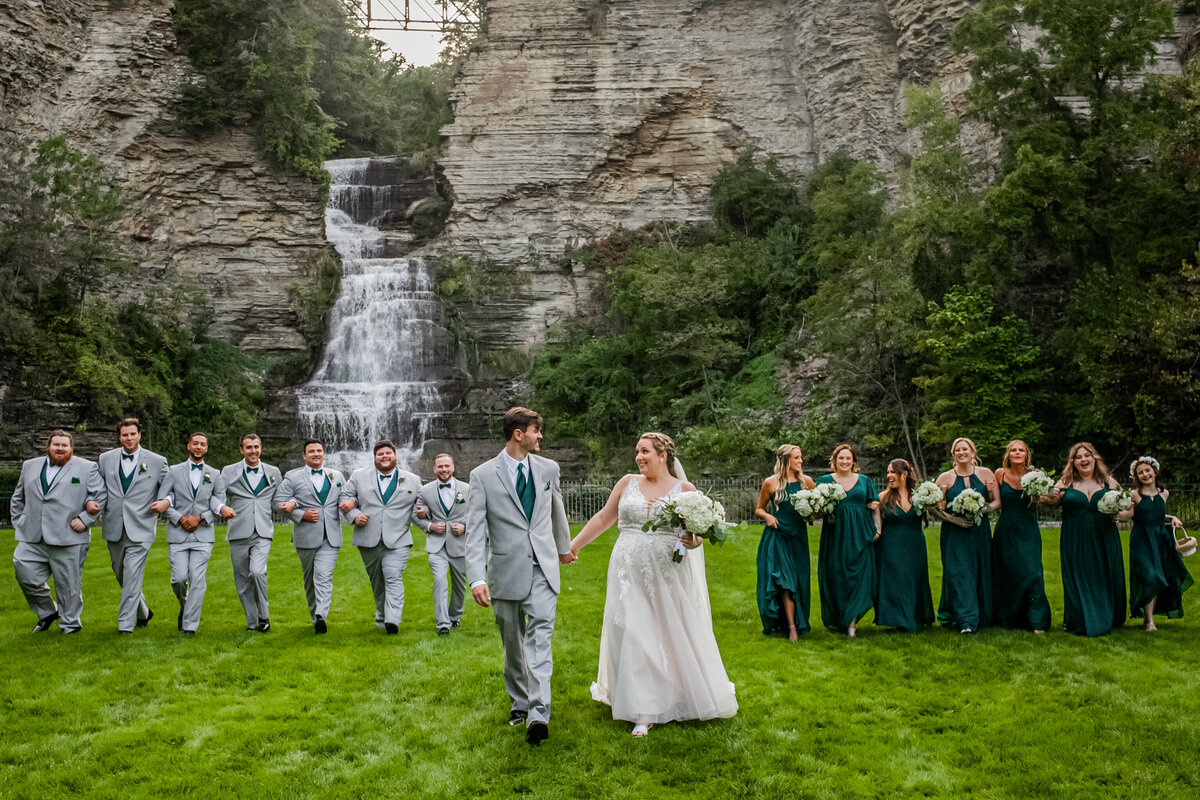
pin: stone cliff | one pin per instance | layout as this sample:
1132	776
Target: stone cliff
107	74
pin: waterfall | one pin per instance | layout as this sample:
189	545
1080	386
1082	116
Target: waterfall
386	348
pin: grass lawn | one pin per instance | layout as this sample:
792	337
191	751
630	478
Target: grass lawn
357	714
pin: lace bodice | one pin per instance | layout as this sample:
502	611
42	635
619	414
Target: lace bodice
633	510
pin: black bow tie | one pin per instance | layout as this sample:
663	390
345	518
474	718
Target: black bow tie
197	466
130	456
251	469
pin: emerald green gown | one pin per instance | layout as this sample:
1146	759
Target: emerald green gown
846	557
903	599
1155	568
1093	573
966	601
784	566
1018	586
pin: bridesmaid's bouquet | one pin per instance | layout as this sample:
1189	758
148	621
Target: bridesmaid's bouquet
694	512
828	497
804	501
1114	502
970	504
927	495
1036	483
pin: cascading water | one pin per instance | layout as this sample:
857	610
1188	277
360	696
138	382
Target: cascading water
386	347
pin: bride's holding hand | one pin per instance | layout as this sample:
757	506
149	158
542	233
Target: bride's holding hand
658	657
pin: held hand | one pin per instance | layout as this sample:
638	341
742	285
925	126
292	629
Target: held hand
458	529
311	515
771	521
482	596
361	520
873	505
227	512
159	506
92	507
77	525
567	558
190	522
691	541
437	527
423	514
345	506
991	485
288	507
877	535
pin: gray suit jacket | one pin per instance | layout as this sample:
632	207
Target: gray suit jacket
253	511
207	501
495	517
130	511
454	546
388	523
46	517
297	486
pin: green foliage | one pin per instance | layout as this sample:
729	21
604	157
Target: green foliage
981	379
313	300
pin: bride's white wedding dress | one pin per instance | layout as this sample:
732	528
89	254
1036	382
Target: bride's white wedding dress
658	657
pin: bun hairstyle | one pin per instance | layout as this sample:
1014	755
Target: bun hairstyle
970	444
908	479
1100	471
1153	462
833	457
663	445
783	460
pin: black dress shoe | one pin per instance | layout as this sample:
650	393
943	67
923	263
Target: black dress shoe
518	717
443	631
189	633
537	732
44	623
456	624
391	628
124	633
251	629
141	623
319	624
264	625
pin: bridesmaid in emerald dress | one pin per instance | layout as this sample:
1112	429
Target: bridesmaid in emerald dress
966	602
1093	571
1018	586
846	556
1157	576
902	597
784	571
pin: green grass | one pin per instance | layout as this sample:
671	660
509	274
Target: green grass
357	714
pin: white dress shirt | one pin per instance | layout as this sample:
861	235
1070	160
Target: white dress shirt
128	465
317	478
51	472
446	492
196	475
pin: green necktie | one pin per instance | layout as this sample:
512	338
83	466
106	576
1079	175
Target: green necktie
525	491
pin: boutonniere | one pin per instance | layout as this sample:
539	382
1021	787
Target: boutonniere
458	498
74	480
339	483
207	477
142	467
271	480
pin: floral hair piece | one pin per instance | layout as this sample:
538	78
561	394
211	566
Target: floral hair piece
1151	460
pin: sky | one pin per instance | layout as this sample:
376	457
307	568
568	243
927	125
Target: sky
419	48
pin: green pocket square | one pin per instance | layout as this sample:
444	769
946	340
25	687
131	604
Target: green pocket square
74	480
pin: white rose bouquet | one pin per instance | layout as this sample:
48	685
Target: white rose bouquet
1114	502
970	504
1036	483
804	501
694	512
927	495
827	496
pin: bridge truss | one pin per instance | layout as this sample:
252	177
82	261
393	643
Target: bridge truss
440	16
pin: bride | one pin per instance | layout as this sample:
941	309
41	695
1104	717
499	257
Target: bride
658	657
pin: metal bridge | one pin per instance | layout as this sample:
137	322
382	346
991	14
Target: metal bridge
440	16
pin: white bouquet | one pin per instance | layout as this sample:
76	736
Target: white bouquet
1036	483
694	512
970	504
826	497
927	495
1114	502
804	501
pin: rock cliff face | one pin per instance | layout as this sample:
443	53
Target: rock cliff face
107	75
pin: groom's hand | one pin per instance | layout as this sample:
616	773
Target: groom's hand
482	596
567	558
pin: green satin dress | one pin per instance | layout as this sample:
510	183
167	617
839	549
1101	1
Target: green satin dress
903	599
966	601
1093	572
784	566
846	557
1018	586
1156	569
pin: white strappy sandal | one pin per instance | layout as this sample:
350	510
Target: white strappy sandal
640	731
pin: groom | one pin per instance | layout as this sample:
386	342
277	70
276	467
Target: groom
515	511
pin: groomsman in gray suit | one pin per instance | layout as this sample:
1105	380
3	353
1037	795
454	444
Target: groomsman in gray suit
196	492
132	476
379	502
250	487
310	495
444	523
516	507
55	502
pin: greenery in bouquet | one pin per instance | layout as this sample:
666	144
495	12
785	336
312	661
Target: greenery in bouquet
1114	502
1036	483
694	512
970	504
927	495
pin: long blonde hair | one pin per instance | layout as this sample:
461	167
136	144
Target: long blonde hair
974	450
783	459
1099	472
665	446
1006	462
